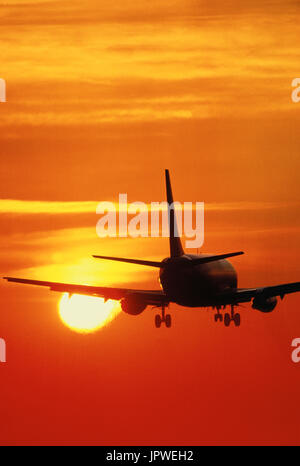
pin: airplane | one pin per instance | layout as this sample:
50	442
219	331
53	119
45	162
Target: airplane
189	280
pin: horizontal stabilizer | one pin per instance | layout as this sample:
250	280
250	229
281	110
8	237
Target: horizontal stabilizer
131	261
197	261
205	259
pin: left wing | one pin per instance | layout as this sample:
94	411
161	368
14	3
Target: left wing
243	295
150	297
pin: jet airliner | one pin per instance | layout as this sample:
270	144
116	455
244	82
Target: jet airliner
189	280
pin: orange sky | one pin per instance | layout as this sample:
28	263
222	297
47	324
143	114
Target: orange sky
101	98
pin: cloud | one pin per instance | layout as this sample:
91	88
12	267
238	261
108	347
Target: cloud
24	207
227	65
66	255
75	12
10	206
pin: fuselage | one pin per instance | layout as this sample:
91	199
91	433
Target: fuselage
196	285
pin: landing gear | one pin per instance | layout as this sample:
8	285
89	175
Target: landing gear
168	321
157	321
232	317
218	317
235	317
166	318
237	320
227	319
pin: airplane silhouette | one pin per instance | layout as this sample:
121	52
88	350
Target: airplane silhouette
190	280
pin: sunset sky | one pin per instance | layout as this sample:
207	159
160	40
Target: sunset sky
101	98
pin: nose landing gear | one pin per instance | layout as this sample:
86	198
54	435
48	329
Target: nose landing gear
234	317
218	316
166	318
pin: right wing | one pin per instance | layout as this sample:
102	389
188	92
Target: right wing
243	295
268	291
149	297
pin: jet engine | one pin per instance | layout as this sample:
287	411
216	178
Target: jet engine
133	306
264	304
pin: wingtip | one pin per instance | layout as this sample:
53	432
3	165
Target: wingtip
9	279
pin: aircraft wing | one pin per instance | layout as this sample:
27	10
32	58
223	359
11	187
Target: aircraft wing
243	295
150	297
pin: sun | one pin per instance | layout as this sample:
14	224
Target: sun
86	314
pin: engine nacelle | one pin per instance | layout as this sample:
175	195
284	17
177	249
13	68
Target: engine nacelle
133	306
264	304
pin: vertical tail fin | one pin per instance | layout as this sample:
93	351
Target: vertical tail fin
176	248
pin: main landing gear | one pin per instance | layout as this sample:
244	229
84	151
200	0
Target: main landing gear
233	316
166	318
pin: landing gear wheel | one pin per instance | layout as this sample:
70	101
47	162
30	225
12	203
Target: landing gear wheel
157	321
227	320
168	321
218	317
237	320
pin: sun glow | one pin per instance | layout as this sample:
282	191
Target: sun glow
86	314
